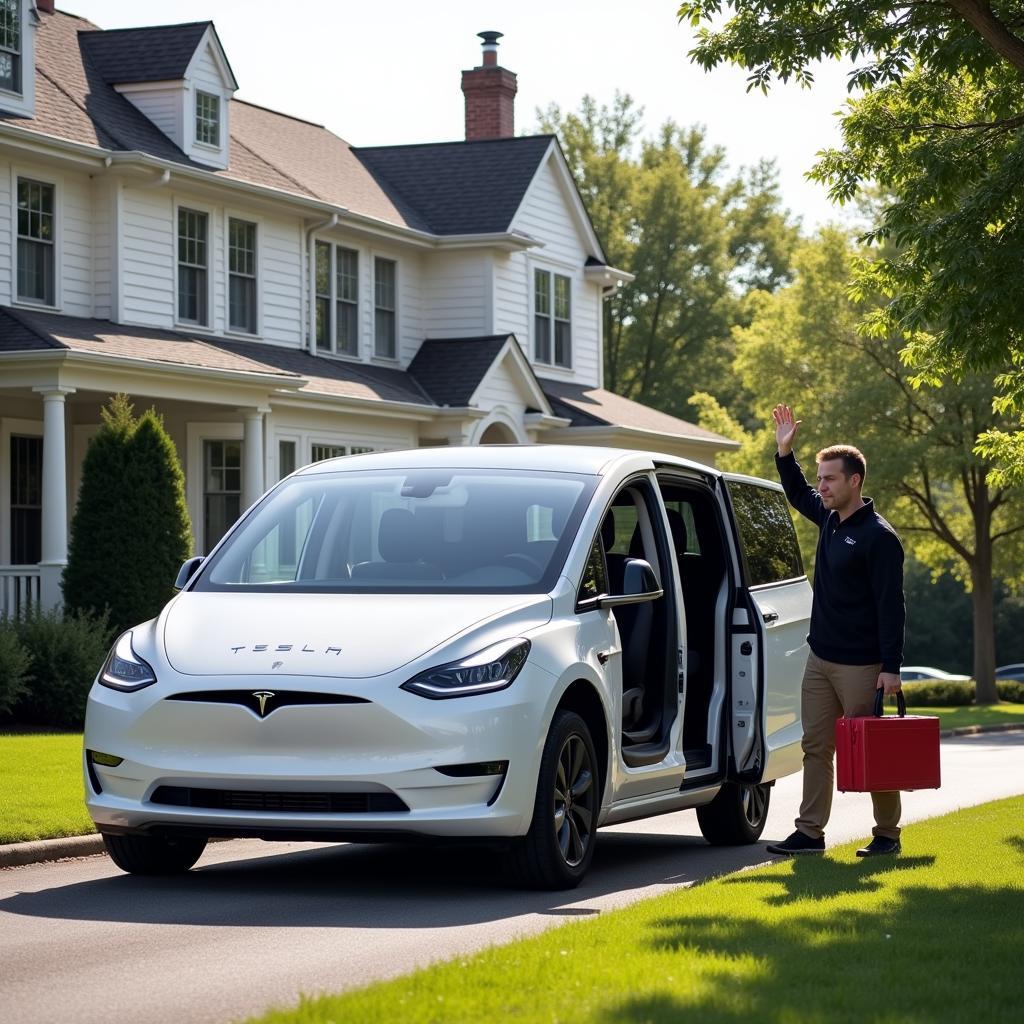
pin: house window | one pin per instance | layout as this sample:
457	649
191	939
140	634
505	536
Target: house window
337	299
241	276
552	318
347	301
207	118
35	242
192	264
384	307
26	500
327	451
222	488
10	45
285	459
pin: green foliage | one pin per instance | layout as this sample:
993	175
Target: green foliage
131	530
65	653
697	240
14	666
938	129
947	693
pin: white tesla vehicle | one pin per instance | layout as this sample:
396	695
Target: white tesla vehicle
517	644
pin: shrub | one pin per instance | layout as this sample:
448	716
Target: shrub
14	663
65	653
131	530
1010	690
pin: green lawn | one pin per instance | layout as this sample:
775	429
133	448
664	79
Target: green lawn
935	935
41	792
952	718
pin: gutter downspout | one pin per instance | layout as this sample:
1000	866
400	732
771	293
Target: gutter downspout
310	274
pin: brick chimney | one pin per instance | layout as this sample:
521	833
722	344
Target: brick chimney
46	6
490	93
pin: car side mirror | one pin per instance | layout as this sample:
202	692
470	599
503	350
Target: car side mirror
188	569
640	584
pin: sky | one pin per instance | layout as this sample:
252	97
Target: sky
388	72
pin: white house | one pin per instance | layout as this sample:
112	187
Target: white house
278	295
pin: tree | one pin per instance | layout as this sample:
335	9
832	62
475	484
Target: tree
804	341
940	126
697	241
131	529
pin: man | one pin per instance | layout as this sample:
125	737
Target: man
856	635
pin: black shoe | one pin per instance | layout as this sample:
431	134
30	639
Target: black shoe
796	844
880	846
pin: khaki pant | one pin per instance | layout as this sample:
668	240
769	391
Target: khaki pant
831	691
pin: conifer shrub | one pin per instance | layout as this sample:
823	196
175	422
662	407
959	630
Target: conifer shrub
131	529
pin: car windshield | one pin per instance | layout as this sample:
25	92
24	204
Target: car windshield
411	531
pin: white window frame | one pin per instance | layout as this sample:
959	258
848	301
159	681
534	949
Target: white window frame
56	181
331	348
9	427
229	216
391	258
195	436
216	146
552	271
211	263
18	54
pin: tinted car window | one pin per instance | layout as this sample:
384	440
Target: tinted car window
767	536
464	531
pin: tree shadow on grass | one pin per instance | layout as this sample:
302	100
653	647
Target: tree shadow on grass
927	955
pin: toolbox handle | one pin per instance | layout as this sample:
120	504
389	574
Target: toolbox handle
901	704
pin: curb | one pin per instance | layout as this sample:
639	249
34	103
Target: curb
13	855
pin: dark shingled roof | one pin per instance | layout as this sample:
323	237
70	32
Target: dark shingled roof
157	54
587	406
450	369
458	188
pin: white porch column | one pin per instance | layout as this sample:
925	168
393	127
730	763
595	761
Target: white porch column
55	496
252	456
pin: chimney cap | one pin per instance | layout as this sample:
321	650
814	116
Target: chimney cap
490	38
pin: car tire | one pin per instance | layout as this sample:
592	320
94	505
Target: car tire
559	846
737	815
153	855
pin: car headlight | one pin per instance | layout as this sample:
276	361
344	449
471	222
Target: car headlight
124	669
488	670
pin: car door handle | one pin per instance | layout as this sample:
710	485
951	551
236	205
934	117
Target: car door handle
770	616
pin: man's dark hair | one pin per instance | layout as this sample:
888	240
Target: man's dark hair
853	459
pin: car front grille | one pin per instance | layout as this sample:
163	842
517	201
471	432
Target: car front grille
274	800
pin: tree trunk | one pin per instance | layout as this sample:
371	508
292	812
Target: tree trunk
983	605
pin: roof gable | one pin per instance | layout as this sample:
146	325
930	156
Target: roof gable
458	188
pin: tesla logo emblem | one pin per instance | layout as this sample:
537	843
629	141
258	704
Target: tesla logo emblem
263	696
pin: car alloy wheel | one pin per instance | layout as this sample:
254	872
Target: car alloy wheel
574	800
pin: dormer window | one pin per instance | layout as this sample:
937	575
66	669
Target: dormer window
10	45
207	118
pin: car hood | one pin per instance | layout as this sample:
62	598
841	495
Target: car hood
350	635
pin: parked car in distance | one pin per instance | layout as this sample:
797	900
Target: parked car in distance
919	673
1015	671
515	644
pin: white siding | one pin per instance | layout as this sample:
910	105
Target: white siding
457	290
6	236
103	228
147	254
546	215
203	74
512	314
500	387
410	304
280	252
163	106
76	245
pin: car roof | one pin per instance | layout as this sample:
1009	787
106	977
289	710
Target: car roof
552	458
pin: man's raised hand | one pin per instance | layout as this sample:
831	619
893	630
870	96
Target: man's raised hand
785	428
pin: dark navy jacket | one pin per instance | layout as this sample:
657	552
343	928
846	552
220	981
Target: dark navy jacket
858	614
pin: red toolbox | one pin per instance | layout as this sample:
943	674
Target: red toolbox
876	753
